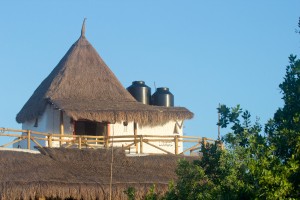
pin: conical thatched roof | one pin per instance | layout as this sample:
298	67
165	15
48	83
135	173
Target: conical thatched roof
82	174
84	87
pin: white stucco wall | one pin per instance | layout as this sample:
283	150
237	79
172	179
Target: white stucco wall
166	129
49	122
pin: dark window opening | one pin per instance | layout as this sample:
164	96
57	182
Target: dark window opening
90	128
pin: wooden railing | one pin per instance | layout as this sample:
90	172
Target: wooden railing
129	142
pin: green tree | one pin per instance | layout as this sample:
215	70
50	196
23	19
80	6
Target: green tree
253	166
283	131
268	175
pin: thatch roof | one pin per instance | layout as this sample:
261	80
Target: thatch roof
82	174
84	87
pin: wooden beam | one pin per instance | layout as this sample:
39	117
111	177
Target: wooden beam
141	144
127	146
61	126
191	148
158	148
10	135
204	142
28	139
12	142
135	136
50	141
176	144
107	136
79	142
36	142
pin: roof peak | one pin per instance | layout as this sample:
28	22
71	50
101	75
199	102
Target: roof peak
83	28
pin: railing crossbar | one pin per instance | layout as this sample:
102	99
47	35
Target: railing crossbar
12	142
89	141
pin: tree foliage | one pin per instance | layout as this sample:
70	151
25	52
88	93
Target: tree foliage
257	163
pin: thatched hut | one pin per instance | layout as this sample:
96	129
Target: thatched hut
82	96
59	173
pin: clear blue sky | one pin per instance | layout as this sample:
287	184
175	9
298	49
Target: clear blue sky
206	52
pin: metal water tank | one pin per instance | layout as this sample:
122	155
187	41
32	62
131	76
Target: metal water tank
163	97
140	91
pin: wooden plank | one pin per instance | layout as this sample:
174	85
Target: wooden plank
120	136
36	142
192	137
141	144
10	135
63	139
159	136
95	146
126	147
191	141
93	137
68	145
204	142
79	142
135	136
61	126
12	142
40	133
159	140
50	141
120	141
107	135
38	138
28	139
2	130
88	145
77	136
67	135
198	148
158	148
188	149
106	142
176	144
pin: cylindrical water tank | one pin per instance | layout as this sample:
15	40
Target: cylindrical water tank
140	91
163	97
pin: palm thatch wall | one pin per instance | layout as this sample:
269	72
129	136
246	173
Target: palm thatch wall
84	87
81	174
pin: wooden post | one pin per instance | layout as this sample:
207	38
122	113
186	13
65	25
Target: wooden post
107	136
61	128
50	141
204	142
106	141
79	142
220	144
141	144
28	139
176	144
135	135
